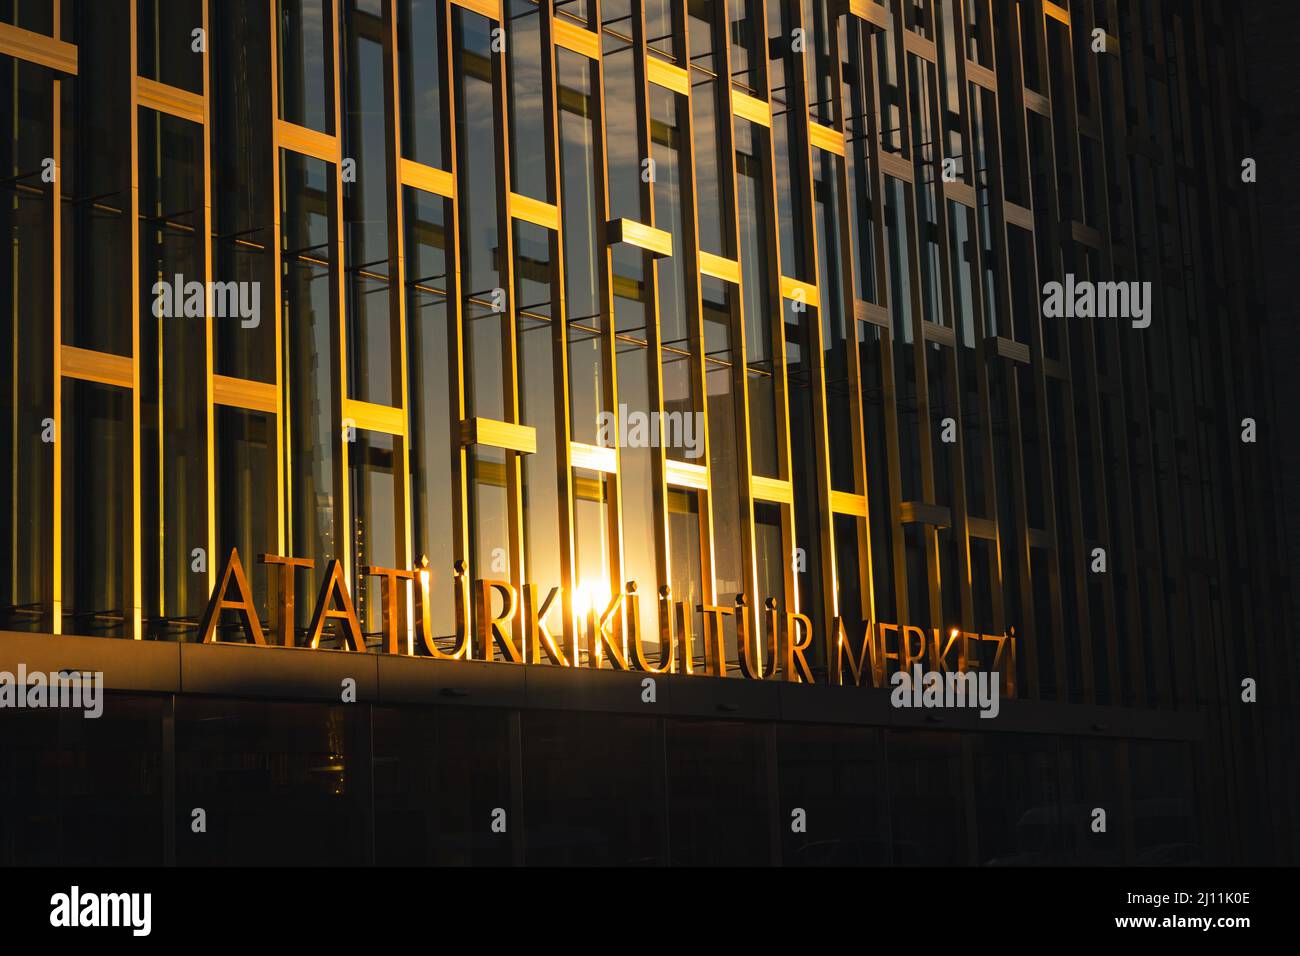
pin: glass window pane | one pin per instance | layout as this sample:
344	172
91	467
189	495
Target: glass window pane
306	67
311	346
27	346
598	804
715	764
283	778
246	494
166	49
439	775
420	58
98	553
373	470
173	413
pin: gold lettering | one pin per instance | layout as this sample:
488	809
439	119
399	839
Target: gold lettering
392	618
665	619
751	665
489	629
232	570
795	664
285	592
863	662
715	651
908	658
969	660
685	639
425	612
885	654
336	585
1004	659
939	655
599	637
539	639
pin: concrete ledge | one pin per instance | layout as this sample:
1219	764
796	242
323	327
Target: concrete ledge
422	680
127	665
279	673
567	688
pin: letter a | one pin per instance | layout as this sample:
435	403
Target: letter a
232	568
1052	293
336	584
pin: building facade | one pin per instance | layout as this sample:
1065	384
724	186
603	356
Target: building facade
739	300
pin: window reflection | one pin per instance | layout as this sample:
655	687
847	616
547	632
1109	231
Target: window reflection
484	304
27	342
373	470
420	32
247	505
316	430
173	414
98	554
306	68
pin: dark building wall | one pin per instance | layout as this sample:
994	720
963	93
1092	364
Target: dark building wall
314	784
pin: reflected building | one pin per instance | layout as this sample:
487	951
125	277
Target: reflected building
364	281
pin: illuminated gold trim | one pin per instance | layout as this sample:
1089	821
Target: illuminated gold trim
243	393
101	367
308	142
1056	12
872	13
56	328
209	354
642	236
751	108
771	490
591	489
169	100
682	474
38	48
374	418
826	137
593	457
488	8
497	434
796	290
428	178
283	456
662	73
532	210
728	270
137	432
574	38
846	503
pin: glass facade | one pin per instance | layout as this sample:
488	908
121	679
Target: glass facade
365	281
